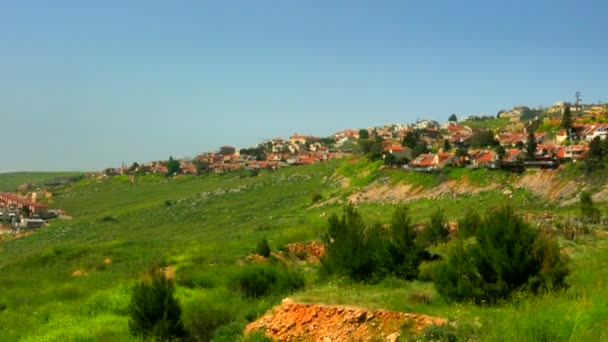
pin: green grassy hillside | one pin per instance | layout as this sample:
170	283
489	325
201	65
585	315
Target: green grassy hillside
71	280
10	181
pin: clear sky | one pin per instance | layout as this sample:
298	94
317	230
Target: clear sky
88	84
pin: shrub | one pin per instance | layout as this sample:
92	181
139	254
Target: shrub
193	278
316	197
437	230
508	255
467	226
368	253
154	311
406	254
260	280
204	320
263	248
589	212
347	250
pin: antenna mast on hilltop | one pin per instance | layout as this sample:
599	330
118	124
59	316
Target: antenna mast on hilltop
578	98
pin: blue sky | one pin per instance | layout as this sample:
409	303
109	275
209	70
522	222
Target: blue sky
88	84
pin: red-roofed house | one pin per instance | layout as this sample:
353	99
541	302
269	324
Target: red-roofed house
431	161
514	155
574	152
482	158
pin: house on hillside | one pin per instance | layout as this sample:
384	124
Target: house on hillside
483	158
514	155
513	139
431	161
573	152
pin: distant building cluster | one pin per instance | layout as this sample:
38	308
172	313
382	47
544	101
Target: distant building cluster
421	145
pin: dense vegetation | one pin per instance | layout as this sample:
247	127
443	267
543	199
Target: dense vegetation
75	279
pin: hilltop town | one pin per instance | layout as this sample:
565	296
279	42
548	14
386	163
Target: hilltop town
515	139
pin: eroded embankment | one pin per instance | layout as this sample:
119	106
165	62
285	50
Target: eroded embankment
545	184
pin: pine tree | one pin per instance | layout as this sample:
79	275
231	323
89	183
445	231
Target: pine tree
506	255
531	145
154	311
567	120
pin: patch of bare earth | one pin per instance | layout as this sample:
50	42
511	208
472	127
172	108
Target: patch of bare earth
386	193
309	252
292	321
169	271
545	184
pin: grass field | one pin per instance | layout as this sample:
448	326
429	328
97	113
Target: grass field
206	226
10	181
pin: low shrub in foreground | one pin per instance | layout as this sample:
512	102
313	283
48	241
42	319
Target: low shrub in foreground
261	280
203	321
506	255
154	312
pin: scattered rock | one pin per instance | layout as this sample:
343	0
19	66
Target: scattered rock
107	261
169	271
79	273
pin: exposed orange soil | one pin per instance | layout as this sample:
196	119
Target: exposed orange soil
293	321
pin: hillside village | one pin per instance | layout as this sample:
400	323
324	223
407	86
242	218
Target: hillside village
516	139
512	140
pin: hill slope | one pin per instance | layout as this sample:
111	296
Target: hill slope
72	279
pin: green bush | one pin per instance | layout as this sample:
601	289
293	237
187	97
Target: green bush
437	230
154	311
193	278
467	226
507	255
368	253
263	248
261	280
204	320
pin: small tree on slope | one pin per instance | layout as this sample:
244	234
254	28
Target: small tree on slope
154	311
506	255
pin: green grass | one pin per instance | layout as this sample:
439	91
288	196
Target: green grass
11	181
206	226
490	124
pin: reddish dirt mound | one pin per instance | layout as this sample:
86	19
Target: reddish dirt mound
311	252
293	321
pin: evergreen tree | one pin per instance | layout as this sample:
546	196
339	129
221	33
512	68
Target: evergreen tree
467	226
506	255
437	230
453	118
154	311
419	149
446	145
531	145
363	134
172	166
567	120
500	152
595	149
587	209
410	139
405	253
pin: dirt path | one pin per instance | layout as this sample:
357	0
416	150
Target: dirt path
292	321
